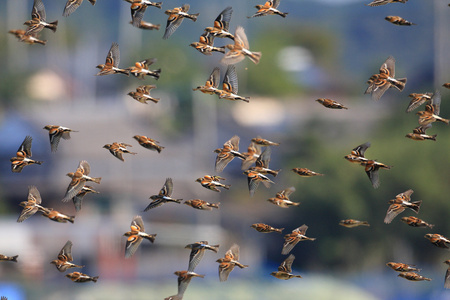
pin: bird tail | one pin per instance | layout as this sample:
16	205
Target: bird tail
157	4
432	137
214	205
220	49
150	237
279	230
399	84
446	121
214	248
53	25
39	162
274	173
14	258
96	179
256	56
94	279
156	73
227	186
282	14
123	71
193	17
415	206
71	219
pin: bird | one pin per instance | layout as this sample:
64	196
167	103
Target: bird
357	154
111	65
229	89
78	198
142	94
447	84
281	199
135	236
240	49
380	83
8	258
146	25
201	204
72	5
148	143
431	112
222	24
285	269
294	237
399	204
32	205
226	154
263	142
438	240
27	38
58	217
304	172
141	69
447	275
23	156
383	2
419	134
198	251
57	132
350	223
205	45
396	20
212	183
253	180
252	154
212	83
401	267
138	9
227	264
416	222
331	103
262	163
118	149
80	277
163	196
184	278
268	8
79	178
264	228
176	17
372	168
65	258
417	99
412	276
38	19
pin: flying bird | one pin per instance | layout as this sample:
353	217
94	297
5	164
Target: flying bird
78	199
212	183
221	25
176	17
201	204
331	103
212	83
205	45
141	69
226	154
304	172
229	89
142	94
431	112
118	149
416	222
399	204
268	8
412	276
281	198
285	269
32	205
56	216
227	264
292	239
111	65
351	223
401	267
396	20
148	143
240	49
384	2
65	258
198	250
72	5
23	156
264	228
38	19
419	134
163	196
380	83
135	236
79	178
57	132
80	277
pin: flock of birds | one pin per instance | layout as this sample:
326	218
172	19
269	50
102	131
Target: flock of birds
254	162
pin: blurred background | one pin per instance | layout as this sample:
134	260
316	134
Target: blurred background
322	49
